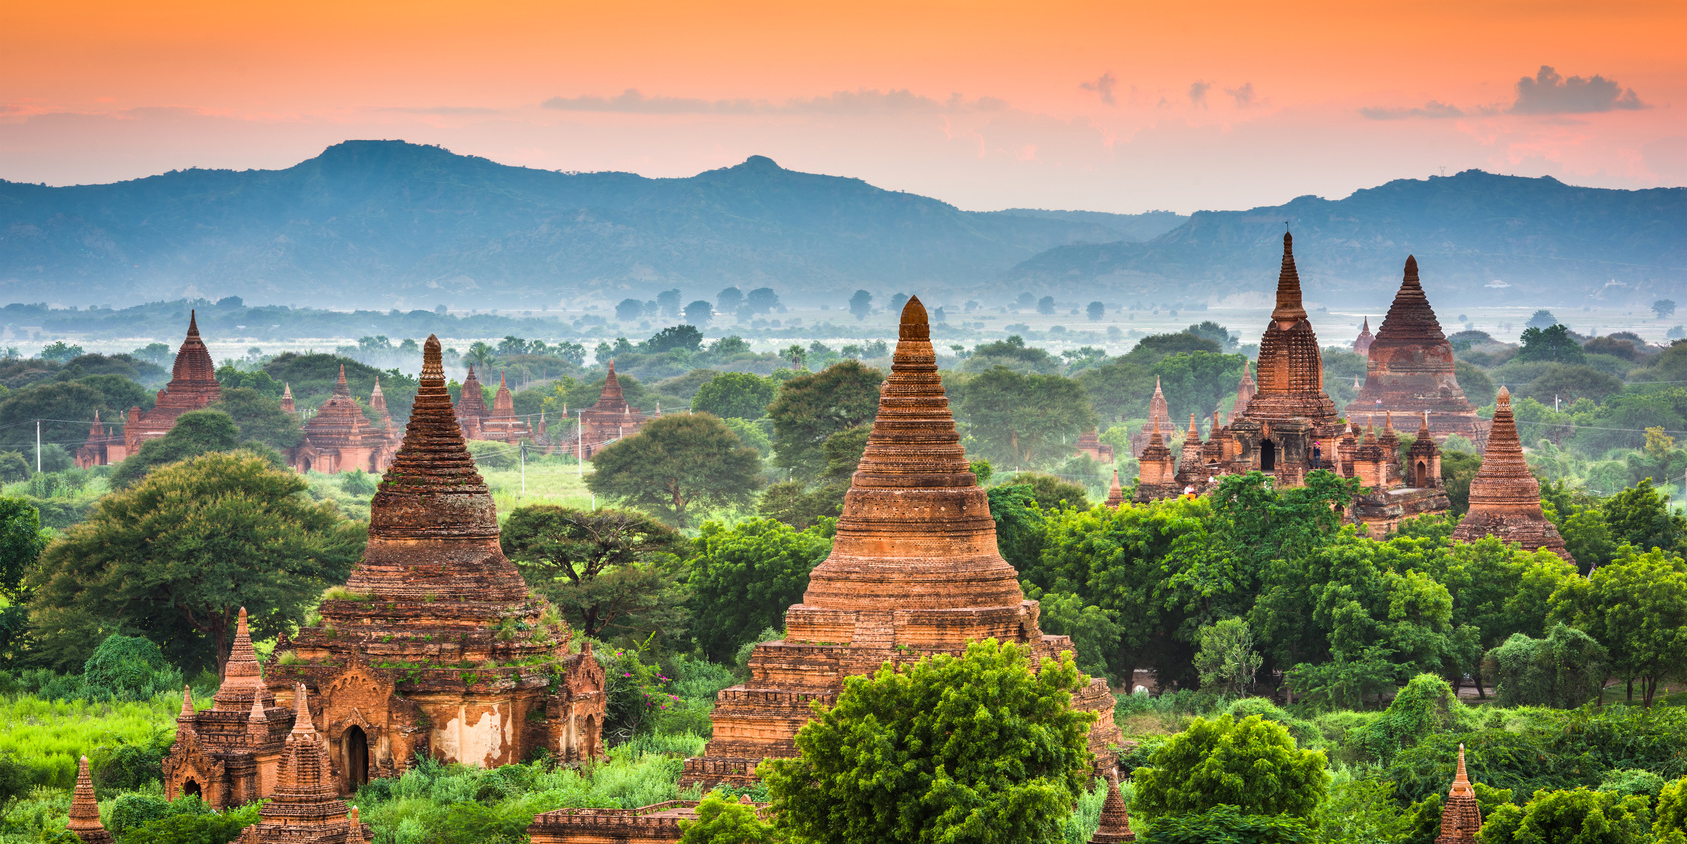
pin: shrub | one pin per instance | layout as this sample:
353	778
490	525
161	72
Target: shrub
194	827
721	822
1564	670
1425	706
128	668
1219	762
1227	825
1576	816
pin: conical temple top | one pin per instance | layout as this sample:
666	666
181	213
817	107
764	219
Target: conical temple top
242	680
1115	824
84	808
1410	319
433	488
611	400
916	530
193	364
341	388
1504	477
1461	780
1289	309
1115	493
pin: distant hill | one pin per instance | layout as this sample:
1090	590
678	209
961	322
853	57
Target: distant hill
1478	237
388	223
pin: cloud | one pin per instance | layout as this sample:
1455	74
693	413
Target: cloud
442	110
1198	92
860	102
1550	93
1244	95
1103	86
1433	109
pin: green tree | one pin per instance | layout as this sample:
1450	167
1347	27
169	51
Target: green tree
729	299
675	464
675	338
259	417
861	304
195	432
128	668
1542	319
65	408
905	756
1196	382
21	542
1095	311
1227	825
1564	670
1095	632
1577	816
723	822
609	571
811	408
177	556
1663	308
1252	764
1637	608
1552	343
1227	660
741	395
742	578
1672	813
1013	354
699	312
1022	420
1641	516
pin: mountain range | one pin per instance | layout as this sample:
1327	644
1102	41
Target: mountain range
392	224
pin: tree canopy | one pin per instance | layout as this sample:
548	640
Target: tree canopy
677	464
743	578
1252	764
810	408
611	572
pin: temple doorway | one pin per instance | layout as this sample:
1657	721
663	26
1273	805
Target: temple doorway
1267	456
357	758
190	788
1421	479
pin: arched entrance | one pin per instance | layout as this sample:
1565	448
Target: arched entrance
190	788
589	740
1421	479
304	464
1267	456
357	757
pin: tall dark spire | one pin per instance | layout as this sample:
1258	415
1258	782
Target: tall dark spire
1289	310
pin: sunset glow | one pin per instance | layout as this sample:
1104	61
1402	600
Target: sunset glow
1106	106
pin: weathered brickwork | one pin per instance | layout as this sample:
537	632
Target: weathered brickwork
1461	815
1409	369
610	419
433	646
1505	498
339	438
193	386
914	570
85	809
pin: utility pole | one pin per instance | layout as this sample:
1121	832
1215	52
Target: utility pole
523	447
37	446
580	447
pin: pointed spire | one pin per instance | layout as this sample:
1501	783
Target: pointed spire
1423	430
187	704
1388	424
1461	780
84	817
257	721
1289	309
916	530
1194	430
302	725
1115	493
1370	429
1115	824
341	388
193	322
1366	327
287	398
354	828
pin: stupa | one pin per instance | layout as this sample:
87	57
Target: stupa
502	425
1410	367
1156	474
1158	414
1115	493
305	805
1191	469
1115	827
610	419
914	571
287	405
1461	815
471	406
85	809
339	438
434	645
1505	498
229	754
1362	343
1245	390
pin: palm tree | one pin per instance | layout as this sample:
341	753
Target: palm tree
481	355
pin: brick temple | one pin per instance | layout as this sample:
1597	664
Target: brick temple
1362	343
610	419
84	816
914	570
1409	370
1288	427
193	386
435	646
304	807
339	438
1090	445
502	425
1505	498
471	406
1158	414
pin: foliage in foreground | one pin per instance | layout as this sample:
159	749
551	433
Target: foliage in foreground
971	749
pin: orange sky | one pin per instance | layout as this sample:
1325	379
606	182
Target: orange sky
982	104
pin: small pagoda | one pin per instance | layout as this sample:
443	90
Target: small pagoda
1245	390
305	807
1115	826
1410	367
1461	815
340	439
1158	414
610	419
1362	343
229	754
1090	445
1191	469
914	571
1115	493
502	425
1505	498
471	407
84	818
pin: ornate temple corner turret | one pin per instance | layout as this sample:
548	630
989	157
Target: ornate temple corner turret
305	806
1156	473
1505	498
914	571
1115	493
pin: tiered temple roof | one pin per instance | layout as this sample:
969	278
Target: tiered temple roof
471	406
193	386
1410	367
1505	498
226	754
1291	368
85	809
1090	445
1461	815
502	425
611	418
914	570
1245	391
1115	825
305	805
